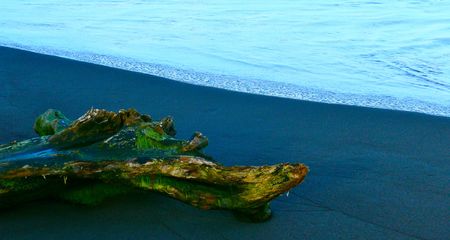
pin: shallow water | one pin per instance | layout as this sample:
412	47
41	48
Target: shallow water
388	54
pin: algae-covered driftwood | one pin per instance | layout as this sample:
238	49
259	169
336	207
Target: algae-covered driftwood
104	153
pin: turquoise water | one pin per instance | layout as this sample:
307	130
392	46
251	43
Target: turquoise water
386	54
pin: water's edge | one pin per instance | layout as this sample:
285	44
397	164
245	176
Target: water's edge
233	83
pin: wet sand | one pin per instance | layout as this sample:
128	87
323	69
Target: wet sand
374	174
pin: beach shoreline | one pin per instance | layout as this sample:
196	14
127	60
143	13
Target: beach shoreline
375	173
250	86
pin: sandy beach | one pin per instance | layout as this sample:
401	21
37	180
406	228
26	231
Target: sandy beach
374	174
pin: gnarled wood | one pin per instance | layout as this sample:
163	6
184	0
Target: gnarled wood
103	153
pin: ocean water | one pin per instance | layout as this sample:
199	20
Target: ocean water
388	54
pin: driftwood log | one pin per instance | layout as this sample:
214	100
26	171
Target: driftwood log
103	154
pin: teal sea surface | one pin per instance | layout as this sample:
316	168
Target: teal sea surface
384	54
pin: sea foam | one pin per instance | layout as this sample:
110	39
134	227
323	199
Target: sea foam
365	54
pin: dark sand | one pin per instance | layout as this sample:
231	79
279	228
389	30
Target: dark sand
375	174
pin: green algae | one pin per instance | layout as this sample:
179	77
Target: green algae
104	154
199	194
20	184
148	137
50	122
94	194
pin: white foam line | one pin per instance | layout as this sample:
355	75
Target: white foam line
234	83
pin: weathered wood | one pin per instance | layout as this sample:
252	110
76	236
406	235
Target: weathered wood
103	154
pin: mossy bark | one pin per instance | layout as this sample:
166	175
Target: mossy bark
103	154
